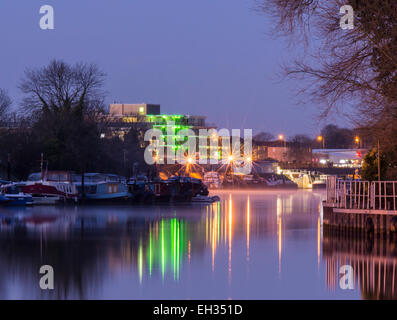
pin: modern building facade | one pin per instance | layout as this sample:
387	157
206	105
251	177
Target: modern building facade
123	117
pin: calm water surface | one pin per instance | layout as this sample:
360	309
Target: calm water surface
251	245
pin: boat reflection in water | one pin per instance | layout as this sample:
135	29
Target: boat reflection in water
373	260
249	245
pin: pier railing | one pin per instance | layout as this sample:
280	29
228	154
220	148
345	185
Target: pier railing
355	194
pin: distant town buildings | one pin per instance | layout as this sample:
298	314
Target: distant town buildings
142	116
282	151
344	158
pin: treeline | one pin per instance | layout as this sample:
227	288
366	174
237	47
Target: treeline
59	119
330	137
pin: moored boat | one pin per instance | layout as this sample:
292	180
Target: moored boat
52	188
102	187
185	188
14	192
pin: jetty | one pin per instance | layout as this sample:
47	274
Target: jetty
355	205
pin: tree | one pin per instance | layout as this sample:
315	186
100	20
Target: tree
263	137
337	138
369	170
5	103
302	140
62	88
300	148
347	67
358	65
64	101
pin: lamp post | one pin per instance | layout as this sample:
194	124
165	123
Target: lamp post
321	140
189	161
230	158
281	137
357	140
156	159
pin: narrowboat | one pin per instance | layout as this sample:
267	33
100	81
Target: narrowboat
142	190
185	188
102	187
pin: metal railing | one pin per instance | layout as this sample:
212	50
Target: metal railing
355	194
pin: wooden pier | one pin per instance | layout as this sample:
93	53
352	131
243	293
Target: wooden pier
354	206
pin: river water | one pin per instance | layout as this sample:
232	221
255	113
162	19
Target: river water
250	245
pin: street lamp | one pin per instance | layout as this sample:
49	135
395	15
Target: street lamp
357	140
281	137
321	139
230	159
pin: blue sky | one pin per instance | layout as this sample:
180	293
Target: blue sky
201	57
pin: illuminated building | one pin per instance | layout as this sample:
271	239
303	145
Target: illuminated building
142	117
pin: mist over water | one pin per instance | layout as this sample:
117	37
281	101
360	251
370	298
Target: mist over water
250	245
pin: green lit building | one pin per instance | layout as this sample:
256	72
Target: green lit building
123	117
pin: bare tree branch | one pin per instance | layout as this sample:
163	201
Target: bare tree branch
60	87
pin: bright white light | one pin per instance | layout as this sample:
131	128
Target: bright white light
323	161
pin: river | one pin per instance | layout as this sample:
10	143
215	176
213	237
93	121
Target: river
250	245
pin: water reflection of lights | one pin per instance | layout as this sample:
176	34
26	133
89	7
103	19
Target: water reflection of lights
164	248
279	231
185	247
189	251
230	238
248	228
214	238
318	242
140	261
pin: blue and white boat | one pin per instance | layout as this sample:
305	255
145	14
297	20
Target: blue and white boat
14	196
102	187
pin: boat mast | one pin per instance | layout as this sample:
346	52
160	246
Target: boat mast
41	166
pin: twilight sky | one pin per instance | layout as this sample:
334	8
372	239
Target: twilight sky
201	57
